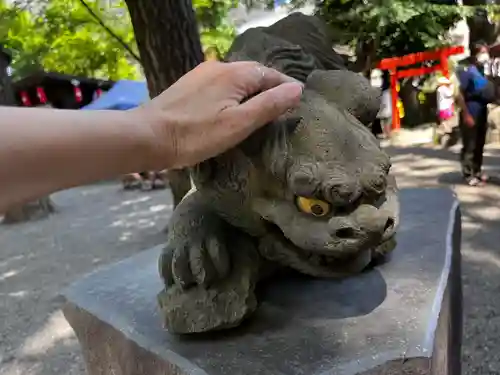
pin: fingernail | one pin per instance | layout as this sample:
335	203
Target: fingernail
292	91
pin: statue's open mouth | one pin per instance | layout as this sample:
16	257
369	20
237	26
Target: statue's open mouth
326	264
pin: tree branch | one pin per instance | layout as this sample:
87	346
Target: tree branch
110	32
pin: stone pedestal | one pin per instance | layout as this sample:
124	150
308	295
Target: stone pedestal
403	317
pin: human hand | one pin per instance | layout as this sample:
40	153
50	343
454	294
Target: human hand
469	120
203	113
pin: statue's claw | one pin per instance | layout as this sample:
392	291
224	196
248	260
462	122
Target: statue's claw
200	259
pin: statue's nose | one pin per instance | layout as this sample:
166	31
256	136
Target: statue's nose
366	223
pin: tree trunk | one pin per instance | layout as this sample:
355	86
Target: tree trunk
169	45
6	94
34	209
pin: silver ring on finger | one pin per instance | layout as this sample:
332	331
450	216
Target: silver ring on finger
261	71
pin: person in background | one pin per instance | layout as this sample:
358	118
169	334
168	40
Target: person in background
384	116
476	91
445	96
376	80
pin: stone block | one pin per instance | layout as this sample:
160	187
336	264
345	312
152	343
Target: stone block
402	317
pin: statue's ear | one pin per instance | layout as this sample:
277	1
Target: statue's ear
348	90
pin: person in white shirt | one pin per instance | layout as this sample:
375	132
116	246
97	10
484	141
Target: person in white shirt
447	121
385	113
445	99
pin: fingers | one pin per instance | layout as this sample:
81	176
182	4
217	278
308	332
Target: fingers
265	107
254	77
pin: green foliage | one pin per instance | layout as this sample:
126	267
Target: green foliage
61	36
215	28
391	27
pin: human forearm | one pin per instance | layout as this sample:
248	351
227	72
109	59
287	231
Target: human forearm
198	117
460	101
44	150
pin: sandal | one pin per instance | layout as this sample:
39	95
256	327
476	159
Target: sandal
473	181
483	177
158	183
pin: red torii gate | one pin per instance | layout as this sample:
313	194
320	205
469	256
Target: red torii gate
393	63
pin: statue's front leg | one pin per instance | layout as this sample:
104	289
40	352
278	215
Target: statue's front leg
209	269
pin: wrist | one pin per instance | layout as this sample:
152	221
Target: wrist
154	137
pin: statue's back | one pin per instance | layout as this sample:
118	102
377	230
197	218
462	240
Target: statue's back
297	37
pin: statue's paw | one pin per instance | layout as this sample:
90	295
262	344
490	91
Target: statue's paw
198	260
223	304
202	309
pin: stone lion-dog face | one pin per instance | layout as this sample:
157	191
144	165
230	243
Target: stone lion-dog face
324	187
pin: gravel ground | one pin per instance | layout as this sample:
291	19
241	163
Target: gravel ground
100	224
94	225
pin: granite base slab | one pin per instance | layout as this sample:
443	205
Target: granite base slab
403	317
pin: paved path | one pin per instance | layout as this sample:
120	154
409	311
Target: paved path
95	225
100	224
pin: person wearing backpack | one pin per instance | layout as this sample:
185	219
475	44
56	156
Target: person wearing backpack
476	91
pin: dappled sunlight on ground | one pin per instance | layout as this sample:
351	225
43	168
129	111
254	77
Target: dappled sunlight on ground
94	225
55	329
483	257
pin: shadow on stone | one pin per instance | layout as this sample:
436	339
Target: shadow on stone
298	294
403	317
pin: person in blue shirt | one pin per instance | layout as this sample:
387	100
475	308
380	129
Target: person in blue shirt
476	91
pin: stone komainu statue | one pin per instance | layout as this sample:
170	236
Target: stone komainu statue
310	191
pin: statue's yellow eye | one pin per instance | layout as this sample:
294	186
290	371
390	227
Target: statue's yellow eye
313	206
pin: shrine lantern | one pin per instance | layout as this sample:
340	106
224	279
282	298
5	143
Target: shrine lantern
42	97
25	99
77	90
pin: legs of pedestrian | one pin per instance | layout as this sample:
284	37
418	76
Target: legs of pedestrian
386	127
147	180
131	181
481	131
469	136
